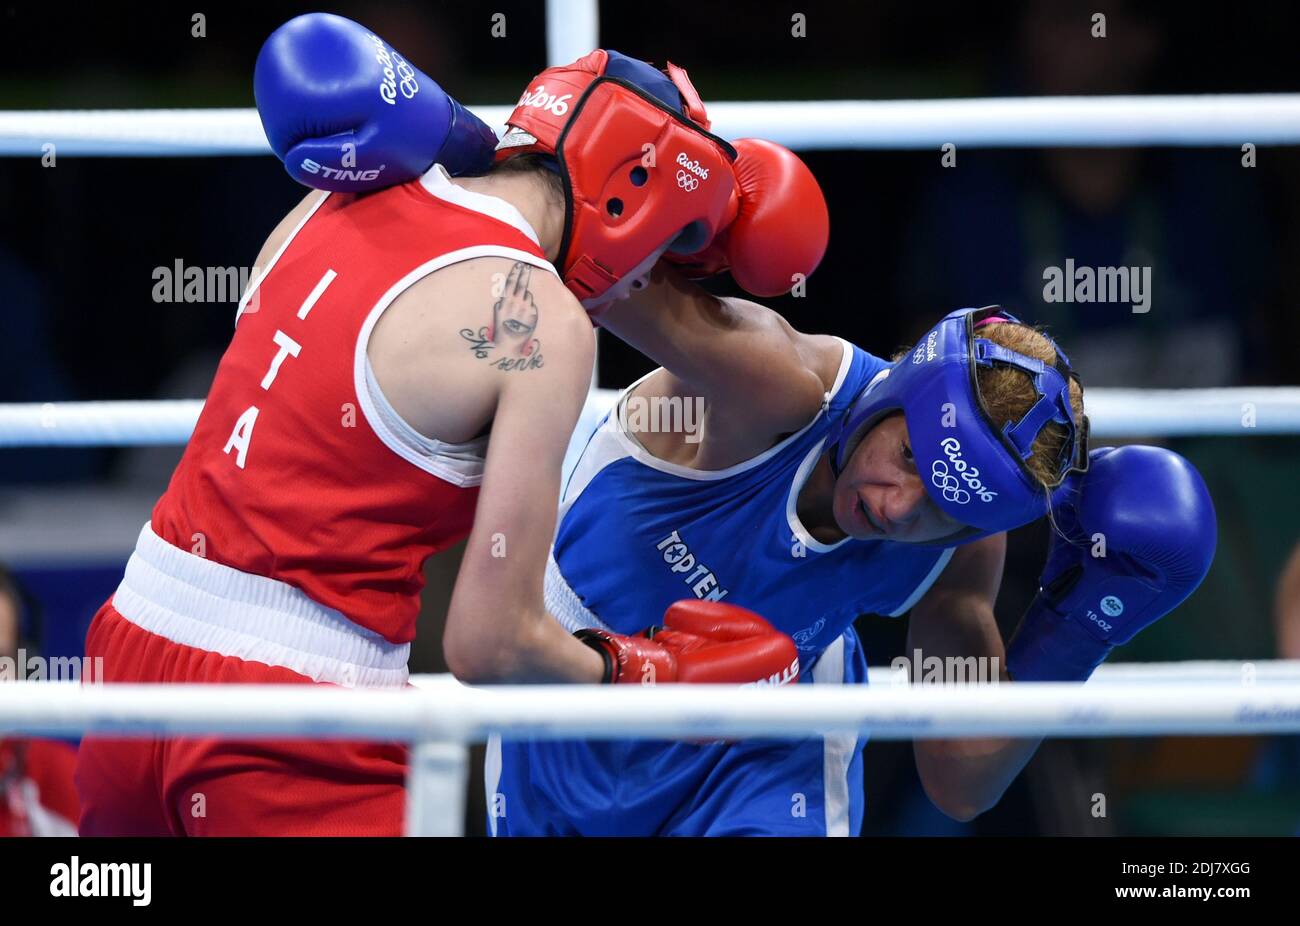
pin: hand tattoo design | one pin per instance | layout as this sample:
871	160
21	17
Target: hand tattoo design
514	319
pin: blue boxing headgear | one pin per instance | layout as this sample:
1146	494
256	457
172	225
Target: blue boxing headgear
975	471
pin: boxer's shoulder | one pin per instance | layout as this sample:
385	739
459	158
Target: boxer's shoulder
481	291
823	355
447	346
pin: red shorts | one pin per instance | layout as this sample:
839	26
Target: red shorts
223	787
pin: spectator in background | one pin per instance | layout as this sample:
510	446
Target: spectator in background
31	368
1278	766
988	227
37	795
33	372
1286	612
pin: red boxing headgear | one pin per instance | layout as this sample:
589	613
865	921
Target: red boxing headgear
640	176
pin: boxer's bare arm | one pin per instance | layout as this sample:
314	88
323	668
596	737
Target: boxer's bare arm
955	620
759	377
492	342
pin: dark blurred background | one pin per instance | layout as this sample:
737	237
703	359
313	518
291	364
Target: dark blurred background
911	239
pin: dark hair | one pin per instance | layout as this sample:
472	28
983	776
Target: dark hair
534	163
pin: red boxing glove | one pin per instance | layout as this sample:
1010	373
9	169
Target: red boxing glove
781	225
706	642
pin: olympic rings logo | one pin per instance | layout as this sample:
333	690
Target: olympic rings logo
948	483
410	87
686	181
394	66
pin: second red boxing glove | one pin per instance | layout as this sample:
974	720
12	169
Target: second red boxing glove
705	642
781	227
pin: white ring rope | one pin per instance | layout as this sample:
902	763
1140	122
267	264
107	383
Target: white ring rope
1113	412
98	424
440	717
1203	671
994	122
452	713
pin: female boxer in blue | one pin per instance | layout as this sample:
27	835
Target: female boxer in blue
823	483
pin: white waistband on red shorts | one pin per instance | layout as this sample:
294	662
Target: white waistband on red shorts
196	602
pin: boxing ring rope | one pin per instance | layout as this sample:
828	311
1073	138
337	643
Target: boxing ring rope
1113	413
439	722
993	122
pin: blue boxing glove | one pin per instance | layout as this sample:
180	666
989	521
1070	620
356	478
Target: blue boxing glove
344	111
1135	536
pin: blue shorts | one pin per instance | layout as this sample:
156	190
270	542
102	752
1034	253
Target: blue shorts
808	787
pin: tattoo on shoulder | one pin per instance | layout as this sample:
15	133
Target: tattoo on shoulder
508	342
